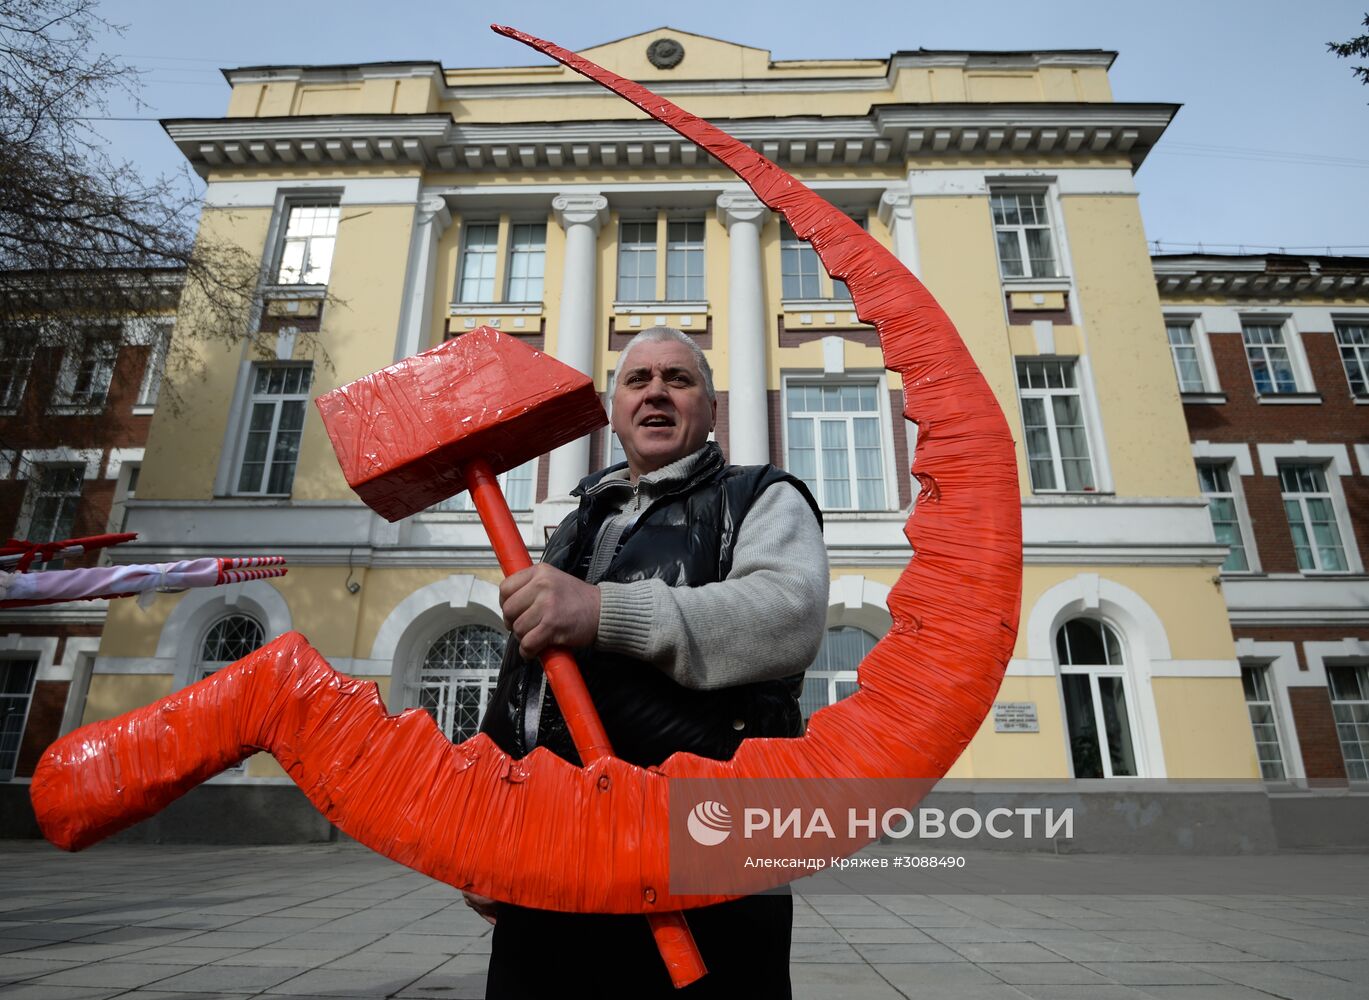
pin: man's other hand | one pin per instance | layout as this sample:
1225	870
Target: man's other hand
483	905
545	607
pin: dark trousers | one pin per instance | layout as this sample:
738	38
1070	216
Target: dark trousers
539	953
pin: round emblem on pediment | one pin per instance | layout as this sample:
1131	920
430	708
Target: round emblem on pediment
665	53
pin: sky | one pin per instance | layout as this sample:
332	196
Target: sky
1270	149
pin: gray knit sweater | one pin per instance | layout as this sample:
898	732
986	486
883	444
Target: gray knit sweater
766	620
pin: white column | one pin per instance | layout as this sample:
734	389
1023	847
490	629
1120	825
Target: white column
748	423
580	215
896	212
431	219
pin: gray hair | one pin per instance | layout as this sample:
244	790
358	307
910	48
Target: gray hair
660	333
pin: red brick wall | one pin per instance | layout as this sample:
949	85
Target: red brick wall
1321	752
1242	418
45	722
33	427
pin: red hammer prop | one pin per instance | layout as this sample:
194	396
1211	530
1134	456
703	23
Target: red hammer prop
453	418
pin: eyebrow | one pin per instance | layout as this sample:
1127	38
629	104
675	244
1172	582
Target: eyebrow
665	372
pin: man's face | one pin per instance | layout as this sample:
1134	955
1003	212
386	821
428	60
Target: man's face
661	411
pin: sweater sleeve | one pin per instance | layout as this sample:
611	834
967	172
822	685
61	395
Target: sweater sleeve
766	620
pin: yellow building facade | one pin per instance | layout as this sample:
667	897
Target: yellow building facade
394	205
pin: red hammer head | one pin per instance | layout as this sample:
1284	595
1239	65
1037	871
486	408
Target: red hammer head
402	434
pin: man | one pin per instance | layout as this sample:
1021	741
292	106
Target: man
694	595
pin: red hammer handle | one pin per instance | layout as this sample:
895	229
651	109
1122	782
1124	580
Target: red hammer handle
673	938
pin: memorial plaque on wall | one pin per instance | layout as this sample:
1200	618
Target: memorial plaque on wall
1015	717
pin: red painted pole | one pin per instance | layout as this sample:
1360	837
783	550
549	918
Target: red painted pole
673	938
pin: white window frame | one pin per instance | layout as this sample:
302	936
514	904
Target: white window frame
1207	367
1335	460
488	257
10	656
830	290
1236	458
834	677
100	346
638	249
1242	516
155	369
1360	352
462	503
251	398
485	680
1086	415
533	251
34	473
692	252
1363	670
1303	386
1300	498
202	668
1051	204
17	364
1266	674
888	466
282	240
1094	671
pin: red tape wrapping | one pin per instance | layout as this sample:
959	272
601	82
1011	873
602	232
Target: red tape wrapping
540	832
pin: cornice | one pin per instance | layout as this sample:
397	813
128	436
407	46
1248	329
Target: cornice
1244	284
888	133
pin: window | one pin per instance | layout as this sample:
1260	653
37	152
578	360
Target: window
479	252
276	409
527	261
641	245
1214	479
1312	518
156	367
637	261
517	485
83	381
802	275
1350	705
684	261
1092	674
54	494
1022	229
1267	353
835	445
227	641
1053	424
1185	353
1353	340
306	254
16	690
1255	682
457	675
832	676
16	359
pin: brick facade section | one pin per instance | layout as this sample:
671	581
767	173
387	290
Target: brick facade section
32	427
44	725
1321	752
1243	418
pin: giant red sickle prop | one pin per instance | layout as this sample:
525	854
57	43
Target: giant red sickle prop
540	832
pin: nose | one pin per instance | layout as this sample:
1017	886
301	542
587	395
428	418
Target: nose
656	388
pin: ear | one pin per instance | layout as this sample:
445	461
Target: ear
713	415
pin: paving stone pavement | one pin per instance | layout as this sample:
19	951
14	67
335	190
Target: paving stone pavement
334	920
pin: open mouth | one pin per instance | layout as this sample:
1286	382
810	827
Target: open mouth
657	420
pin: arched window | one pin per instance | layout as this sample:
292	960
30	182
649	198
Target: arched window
833	674
228	639
456	677
1093	677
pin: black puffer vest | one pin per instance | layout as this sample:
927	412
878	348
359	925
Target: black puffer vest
686	538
